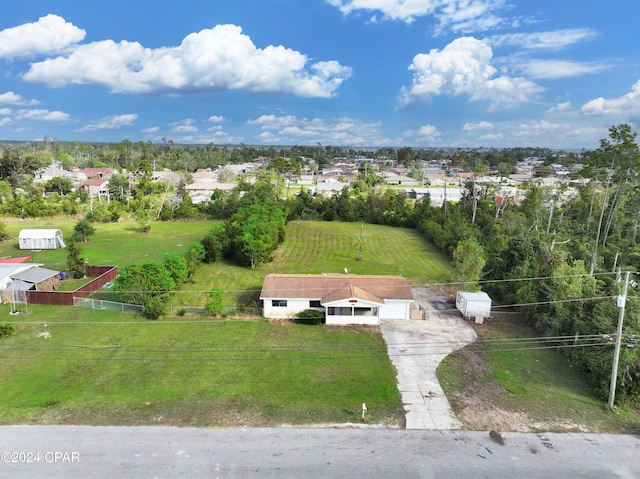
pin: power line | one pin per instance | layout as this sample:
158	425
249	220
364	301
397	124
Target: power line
369	350
422	285
188	321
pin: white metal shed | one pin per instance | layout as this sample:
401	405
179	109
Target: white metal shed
41	239
473	304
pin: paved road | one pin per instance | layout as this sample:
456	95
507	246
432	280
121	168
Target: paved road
161	452
416	348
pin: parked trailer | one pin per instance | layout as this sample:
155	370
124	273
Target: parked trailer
475	305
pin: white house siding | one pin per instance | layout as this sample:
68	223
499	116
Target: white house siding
346	320
293	307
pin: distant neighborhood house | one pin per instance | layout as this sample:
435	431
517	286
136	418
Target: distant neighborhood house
344	298
96	187
201	191
40	239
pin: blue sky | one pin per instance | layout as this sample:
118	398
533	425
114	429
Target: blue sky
419	73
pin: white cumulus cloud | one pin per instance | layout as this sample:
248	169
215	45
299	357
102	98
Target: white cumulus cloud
429	133
42	115
289	129
38	114
11	98
491	137
269	122
110	123
564	106
50	34
220	58
483	125
216	119
464	67
626	105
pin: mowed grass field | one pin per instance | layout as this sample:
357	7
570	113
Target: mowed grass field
96	367
317	247
78	366
117	244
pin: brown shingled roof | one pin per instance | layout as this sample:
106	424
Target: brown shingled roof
333	287
352	291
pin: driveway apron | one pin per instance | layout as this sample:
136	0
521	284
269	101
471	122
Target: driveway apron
416	347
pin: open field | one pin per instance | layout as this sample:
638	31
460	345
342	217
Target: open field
78	366
96	367
317	247
511	389
310	247
112	244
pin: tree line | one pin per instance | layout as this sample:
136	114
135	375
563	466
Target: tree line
553	255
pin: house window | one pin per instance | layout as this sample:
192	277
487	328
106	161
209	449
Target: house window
339	311
365	311
279	303
315	304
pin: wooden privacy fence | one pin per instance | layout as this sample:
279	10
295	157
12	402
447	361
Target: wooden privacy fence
101	274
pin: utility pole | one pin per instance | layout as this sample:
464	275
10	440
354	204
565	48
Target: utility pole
622	300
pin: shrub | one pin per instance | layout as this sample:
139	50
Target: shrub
155	307
215	307
310	316
7	330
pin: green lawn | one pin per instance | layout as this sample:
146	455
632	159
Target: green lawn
118	369
317	247
537	383
114	368
112	244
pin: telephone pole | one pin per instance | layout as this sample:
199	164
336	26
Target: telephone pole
622	301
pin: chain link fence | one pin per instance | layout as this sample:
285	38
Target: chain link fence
102	304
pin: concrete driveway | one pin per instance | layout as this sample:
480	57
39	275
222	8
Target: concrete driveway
416	347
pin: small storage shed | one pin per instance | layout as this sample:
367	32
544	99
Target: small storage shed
475	305
40	239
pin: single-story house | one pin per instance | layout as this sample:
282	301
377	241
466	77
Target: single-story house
329	188
31	278
395	179
201	191
344	298
98	172
40	239
38	279
7	270
418	193
204	175
474	305
51	172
